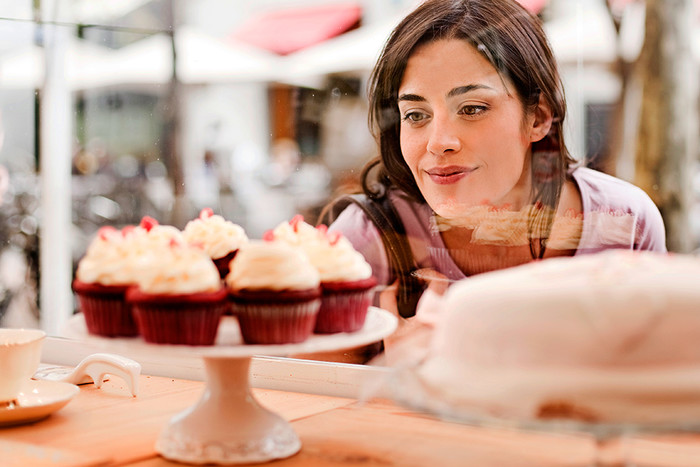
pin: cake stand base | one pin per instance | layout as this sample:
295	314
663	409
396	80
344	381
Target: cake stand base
227	425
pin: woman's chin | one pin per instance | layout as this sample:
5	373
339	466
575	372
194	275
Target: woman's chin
453	209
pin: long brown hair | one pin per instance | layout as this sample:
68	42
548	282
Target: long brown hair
513	41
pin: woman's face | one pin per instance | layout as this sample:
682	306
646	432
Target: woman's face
464	133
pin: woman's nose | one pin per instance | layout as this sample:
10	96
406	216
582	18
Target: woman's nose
443	137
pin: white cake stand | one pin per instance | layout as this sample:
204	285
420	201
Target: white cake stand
411	391
228	425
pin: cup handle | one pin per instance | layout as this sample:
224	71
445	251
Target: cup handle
93	369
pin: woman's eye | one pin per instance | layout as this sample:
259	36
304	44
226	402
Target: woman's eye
472	109
414	116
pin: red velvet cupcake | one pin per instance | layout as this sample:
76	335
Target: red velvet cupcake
346	278
110	265
219	238
102	277
274	293
179	298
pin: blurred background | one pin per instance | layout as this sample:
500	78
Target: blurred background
111	111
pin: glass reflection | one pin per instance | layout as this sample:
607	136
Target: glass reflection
157	130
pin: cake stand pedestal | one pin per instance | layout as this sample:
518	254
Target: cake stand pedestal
227	425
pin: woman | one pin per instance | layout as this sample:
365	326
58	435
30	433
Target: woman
468	109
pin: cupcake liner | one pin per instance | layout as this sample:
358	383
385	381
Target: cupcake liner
344	306
178	319
269	322
105	309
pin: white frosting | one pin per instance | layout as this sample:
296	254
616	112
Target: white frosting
262	265
141	241
120	257
111	259
178	269
331	254
336	260
518	337
216	235
295	232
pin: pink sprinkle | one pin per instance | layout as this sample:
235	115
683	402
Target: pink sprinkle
148	223
126	230
334	237
269	236
295	222
105	232
322	228
206	213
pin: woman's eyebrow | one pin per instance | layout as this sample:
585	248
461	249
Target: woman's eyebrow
465	89
411	98
453	92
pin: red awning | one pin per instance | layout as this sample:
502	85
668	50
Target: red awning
533	6
286	31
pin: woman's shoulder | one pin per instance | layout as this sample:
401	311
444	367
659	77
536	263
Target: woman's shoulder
608	198
604	190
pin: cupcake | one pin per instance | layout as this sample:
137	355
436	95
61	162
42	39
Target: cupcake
178	297
275	294
219	238
110	266
346	278
100	283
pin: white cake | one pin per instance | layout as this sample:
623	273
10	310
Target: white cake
610	337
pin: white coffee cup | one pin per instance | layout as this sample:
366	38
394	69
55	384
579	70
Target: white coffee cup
20	354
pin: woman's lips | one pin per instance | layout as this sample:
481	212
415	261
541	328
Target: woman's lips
448	175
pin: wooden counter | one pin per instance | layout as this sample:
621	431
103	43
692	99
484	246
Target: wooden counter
108	426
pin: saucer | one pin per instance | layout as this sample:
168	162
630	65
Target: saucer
37	400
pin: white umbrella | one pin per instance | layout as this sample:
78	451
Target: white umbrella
205	59
354	51
200	59
25	68
146	61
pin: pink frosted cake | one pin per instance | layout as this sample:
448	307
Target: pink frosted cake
609	337
179	297
274	291
219	238
346	278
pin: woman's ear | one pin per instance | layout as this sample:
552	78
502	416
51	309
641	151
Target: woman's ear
541	121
